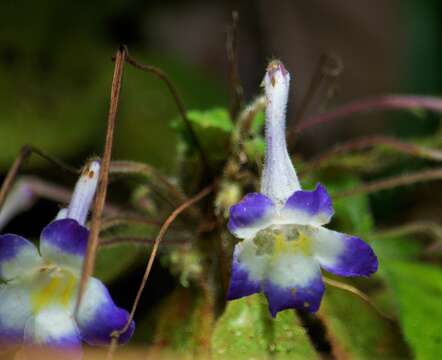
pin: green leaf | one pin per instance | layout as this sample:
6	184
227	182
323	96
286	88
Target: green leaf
357	331
113	261
184	324
418	292
217	118
246	331
212	127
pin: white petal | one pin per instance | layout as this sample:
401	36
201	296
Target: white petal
15	310
54	327
18	256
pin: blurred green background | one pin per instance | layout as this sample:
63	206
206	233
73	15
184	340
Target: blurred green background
56	72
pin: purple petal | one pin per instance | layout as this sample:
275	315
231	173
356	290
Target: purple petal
64	242
309	207
306	298
99	317
342	254
241	283
17	256
253	213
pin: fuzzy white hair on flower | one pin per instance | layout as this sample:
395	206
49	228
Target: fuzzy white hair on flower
284	244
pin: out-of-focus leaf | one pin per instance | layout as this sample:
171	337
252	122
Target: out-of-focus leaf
212	127
356	330
418	292
247	331
185	322
400	248
257	125
255	148
113	261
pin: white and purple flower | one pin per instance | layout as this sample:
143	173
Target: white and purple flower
284	242
38	298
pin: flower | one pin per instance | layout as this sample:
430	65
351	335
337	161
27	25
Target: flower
38	298
284	242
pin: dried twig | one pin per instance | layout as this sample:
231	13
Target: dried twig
381	103
179	102
153	253
354	290
232	57
132	167
141	241
426	227
89	261
23	155
392	182
323	71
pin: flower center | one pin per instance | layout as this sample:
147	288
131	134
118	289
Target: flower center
278	239
53	286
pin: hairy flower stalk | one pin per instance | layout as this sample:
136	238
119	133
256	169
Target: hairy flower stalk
284	242
38	298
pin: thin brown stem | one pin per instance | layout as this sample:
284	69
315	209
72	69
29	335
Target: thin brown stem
355	291
132	167
429	228
152	256
392	182
323	71
180	105
125	220
381	103
12	173
100	199
375	140
22	156
118	240
232	57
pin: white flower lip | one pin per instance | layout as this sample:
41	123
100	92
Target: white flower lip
84	192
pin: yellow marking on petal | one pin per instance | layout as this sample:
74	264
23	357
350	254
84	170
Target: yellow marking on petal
304	244
68	292
60	289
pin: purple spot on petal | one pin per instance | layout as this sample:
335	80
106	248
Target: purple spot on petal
306	298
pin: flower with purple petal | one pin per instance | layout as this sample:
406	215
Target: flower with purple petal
38	298
284	242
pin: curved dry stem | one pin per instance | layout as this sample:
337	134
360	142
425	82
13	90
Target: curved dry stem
132	167
127	220
392	182
23	155
179	102
140	241
91	253
375	140
381	103
355	291
430	228
329	66
153	254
